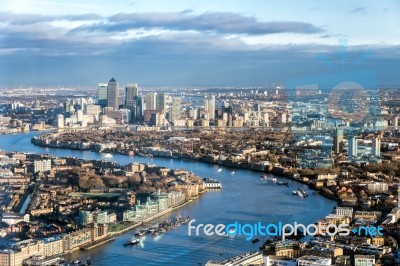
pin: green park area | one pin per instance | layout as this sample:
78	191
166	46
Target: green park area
119	226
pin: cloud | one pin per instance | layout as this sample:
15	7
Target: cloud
12	18
358	10
217	22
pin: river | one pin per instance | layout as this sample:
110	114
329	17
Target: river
244	198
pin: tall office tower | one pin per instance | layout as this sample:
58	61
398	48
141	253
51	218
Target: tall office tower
60	121
151	101
206	108
266	120
131	98
212	107
141	106
337	140
131	94
376	147
113	94
160	101
176	109
102	94
79	115
352	149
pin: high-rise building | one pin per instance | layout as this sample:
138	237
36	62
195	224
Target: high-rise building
176	109
209	108
212	107
266	119
160	101
376	147
102	94
131	100
337	140
151	101
60	121
131	94
113	94
140	107
353	148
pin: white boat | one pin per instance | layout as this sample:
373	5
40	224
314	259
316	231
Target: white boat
108	155
219	170
233	172
300	194
294	192
274	180
132	242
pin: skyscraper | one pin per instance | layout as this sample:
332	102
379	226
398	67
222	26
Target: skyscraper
353	148
131	93
113	94
131	100
337	140
160	101
376	147
211	105
151	101
102	94
176	109
209	108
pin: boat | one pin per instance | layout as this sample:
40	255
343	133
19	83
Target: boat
219	170
76	262
300	194
133	241
283	183
108	155
255	240
294	192
303	192
233	172
140	233
273	180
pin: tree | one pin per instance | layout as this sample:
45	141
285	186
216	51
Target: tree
90	181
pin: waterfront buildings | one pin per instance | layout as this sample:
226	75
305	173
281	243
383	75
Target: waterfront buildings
157	203
249	258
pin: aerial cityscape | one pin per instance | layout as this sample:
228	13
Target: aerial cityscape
214	133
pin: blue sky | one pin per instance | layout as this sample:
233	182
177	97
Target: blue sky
199	43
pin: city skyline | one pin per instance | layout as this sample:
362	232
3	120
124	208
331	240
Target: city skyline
193	44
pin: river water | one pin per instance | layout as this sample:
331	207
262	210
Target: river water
244	198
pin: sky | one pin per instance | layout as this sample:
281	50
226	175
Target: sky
198	42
